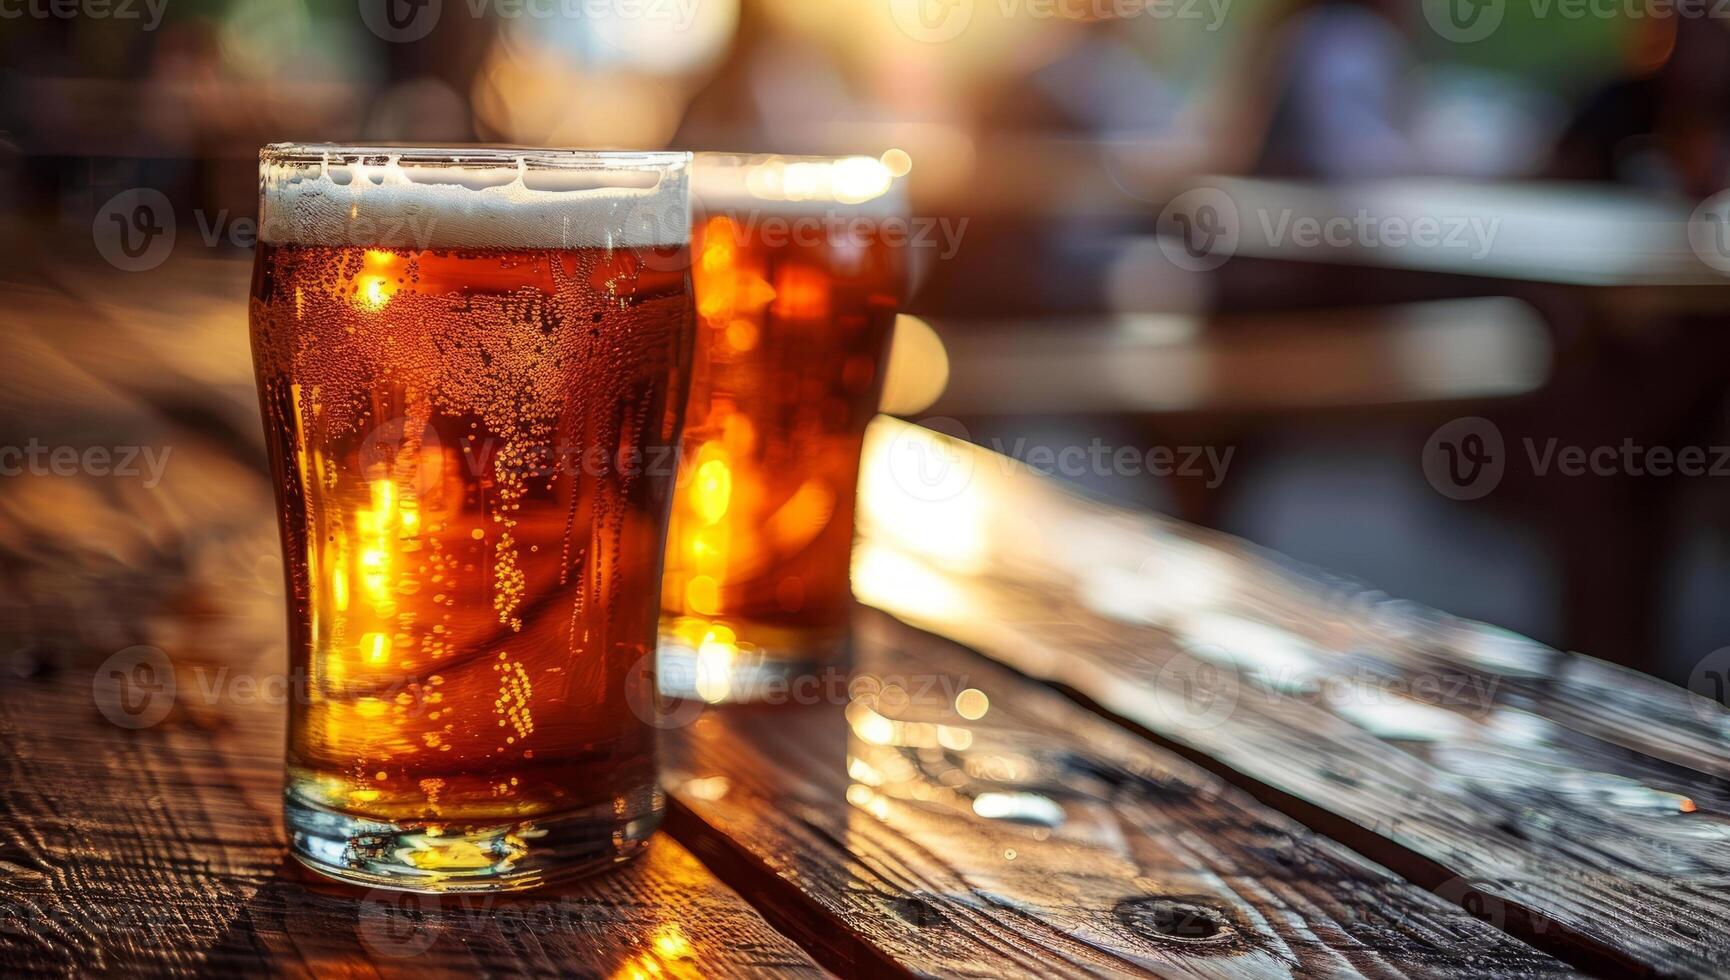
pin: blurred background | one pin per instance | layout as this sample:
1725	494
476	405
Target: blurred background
1511	258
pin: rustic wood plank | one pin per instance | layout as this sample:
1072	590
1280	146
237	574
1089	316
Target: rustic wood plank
159	850
1007	832
1545	791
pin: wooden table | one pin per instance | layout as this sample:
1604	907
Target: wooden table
1079	740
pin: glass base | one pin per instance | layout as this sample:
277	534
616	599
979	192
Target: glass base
446	857
758	665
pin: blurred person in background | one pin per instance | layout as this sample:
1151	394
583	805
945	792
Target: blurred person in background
1334	91
1663	123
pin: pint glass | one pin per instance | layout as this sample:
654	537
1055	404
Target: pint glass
799	267
472	365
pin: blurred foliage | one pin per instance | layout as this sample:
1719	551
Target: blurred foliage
1537	44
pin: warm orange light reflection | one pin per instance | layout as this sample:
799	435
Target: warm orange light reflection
670	955
378	281
792	328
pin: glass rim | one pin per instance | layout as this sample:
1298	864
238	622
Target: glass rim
476	155
734	156
730	180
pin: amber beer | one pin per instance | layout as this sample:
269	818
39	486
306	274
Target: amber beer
799	271
468	363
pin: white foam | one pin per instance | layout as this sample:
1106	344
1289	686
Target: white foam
391	198
797	186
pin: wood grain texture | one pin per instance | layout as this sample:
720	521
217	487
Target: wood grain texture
159	850
1032	840
1554	795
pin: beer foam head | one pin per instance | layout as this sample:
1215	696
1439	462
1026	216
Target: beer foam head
470	198
853	186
